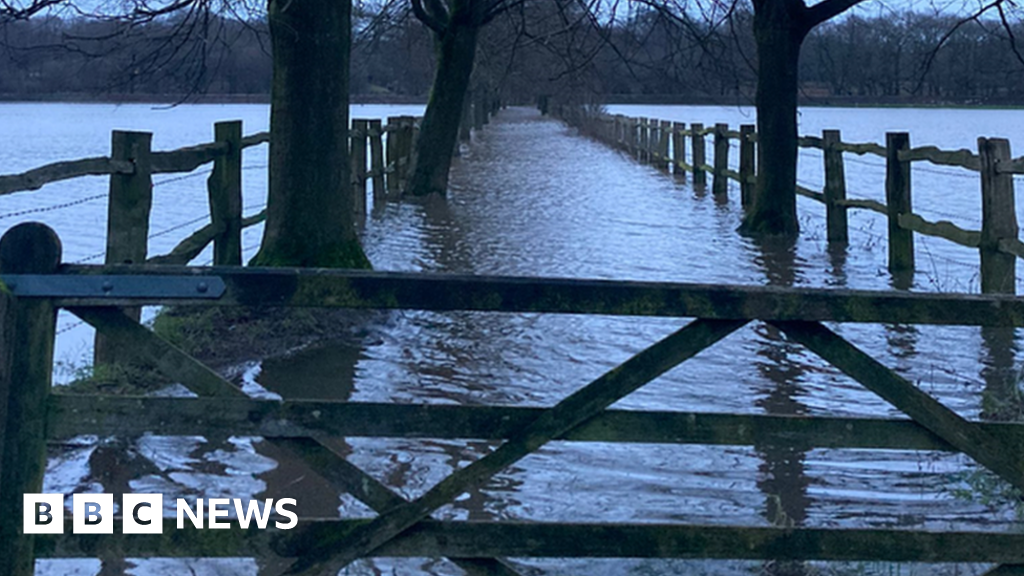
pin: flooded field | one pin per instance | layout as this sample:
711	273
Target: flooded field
530	197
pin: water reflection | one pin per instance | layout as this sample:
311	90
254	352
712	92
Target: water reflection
1002	399
782	473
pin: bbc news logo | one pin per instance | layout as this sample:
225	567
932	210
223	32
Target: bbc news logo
143	513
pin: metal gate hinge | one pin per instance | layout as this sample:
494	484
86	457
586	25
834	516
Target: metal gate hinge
114	286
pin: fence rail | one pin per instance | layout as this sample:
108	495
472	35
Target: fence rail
37	284
381	153
997	241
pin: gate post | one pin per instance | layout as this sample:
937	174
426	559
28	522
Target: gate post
26	368
131	199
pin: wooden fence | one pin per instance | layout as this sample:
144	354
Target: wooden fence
381	153
664	144
34	412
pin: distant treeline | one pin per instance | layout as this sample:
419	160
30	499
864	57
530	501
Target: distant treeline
899	57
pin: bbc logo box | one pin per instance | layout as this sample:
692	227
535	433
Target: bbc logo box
143	513
93	513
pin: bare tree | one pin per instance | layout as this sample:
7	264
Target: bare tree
455	25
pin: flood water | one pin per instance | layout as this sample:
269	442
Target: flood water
531	197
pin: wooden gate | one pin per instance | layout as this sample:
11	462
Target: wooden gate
37	285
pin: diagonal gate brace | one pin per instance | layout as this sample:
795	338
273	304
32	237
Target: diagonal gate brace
1001	457
198	378
330	554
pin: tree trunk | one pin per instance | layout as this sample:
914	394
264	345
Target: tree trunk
310	198
779	36
439	132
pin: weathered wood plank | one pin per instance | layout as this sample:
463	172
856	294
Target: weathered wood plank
679	149
420	291
575	409
664	131
810	142
128	212
697	146
224	188
941	229
962	158
1012	246
569	540
7	321
998	218
203	381
195	243
862	149
377	155
256	139
72	415
872	205
30	247
812	194
898	201
349	478
720	183
187	159
123	331
835	188
180	160
1000	455
36	178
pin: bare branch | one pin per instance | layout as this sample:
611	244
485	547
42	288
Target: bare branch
826	10
429	20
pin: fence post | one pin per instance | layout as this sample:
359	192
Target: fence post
131	198
678	148
391	148
697	134
377	159
720	185
224	188
634	138
898	201
359	137
644	136
835	187
747	167
998	218
664	133
409	132
30	248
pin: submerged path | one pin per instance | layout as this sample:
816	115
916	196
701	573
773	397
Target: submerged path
531	197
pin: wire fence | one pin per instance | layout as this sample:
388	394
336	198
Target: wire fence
53	207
